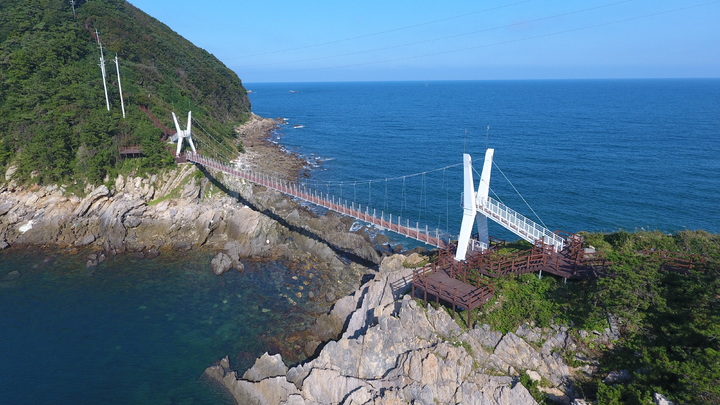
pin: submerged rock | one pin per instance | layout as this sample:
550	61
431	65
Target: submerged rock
13	275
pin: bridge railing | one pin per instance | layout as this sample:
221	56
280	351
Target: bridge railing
519	224
396	224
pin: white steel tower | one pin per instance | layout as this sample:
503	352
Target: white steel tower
471	200
182	134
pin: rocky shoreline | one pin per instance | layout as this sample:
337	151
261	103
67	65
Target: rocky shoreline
393	349
182	209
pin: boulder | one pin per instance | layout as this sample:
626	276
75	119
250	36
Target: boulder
221	263
266	366
90	199
13	275
660	399
88	239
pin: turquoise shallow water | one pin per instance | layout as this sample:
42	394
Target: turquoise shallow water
134	331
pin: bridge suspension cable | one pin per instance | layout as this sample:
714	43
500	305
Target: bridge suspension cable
334	191
520	195
516	191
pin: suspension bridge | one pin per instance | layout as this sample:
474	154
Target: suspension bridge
478	207
463	274
465	269
351	209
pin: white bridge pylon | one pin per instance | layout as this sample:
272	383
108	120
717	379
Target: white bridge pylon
184	134
479	206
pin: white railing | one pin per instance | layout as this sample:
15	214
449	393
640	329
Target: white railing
518	224
396	224
476	246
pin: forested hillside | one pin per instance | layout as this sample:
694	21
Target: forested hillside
55	124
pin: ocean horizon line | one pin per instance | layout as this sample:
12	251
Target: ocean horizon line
609	79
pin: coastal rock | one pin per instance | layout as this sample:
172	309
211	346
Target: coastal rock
660	399
514	352
266	366
90	199
391	350
13	275
221	263
5	207
88	239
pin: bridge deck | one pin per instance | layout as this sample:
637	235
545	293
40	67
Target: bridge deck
396	224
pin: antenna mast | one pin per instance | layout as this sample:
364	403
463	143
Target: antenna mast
122	102
487	137
102	68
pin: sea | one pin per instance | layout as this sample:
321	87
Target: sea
575	155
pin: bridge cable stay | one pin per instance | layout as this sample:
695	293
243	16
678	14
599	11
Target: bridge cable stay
406	202
221	144
386	206
222	151
422	207
210	145
359	211
447	204
520	195
215	151
369	194
404	198
497	197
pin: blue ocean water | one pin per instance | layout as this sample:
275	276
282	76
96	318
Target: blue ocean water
586	155
135	331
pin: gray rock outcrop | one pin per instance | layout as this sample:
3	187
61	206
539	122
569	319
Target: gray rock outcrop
393	350
177	210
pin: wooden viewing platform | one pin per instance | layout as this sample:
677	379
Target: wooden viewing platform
461	295
468	284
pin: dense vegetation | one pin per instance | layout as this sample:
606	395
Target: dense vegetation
668	322
56	126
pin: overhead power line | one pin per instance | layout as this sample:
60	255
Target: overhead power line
437	39
407	27
509	41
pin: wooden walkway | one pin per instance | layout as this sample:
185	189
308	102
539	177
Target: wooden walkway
469	284
461	295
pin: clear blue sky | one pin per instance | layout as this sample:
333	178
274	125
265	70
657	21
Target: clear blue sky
323	40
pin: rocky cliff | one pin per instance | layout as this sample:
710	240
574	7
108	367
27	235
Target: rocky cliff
395	350
181	209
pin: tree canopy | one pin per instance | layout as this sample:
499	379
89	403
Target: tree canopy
56	126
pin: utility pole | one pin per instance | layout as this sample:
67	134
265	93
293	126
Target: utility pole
102	68
122	102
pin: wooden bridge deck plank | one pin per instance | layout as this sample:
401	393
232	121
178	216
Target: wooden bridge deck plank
452	290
